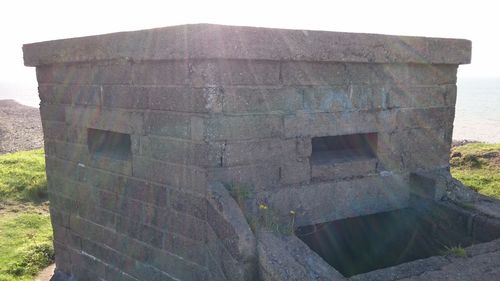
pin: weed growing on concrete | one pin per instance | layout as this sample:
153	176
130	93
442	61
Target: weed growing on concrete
265	217
240	192
269	220
455	251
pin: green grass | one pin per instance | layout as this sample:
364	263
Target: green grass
25	229
25	245
478	165
22	176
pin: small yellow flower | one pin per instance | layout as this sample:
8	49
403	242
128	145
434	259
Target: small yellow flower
263	206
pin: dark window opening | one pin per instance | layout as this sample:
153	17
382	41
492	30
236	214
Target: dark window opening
336	149
109	144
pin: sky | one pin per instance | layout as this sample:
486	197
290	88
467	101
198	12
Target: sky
27	21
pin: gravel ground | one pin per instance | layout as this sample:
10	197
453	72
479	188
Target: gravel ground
20	127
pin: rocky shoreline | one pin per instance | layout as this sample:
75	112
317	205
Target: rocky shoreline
20	127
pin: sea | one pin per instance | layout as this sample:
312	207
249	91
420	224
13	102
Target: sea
477	112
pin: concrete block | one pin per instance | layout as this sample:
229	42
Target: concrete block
404	96
176	267
106	255
189	177
197	128
324	172
92	231
78	73
428	118
304	263
97	215
120	166
296	172
233	72
186	225
389	154
108	73
64	236
230	267
176	151
54	130
62	257
128	97
367	97
59	217
75	134
425	149
229	225
50	94
303	146
261	100
321	202
313	73
186	99
213	265
260	176
54	113
305	124
107	181
271	255
258	151
327	99
73	171
189	249
344	98
129	187
141	232
72	152
159	73
115	274
244	127
416	74
187	203
121	121
124	206
71	189
86	267
167	124
144	271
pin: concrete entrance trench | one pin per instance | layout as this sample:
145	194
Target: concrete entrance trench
366	243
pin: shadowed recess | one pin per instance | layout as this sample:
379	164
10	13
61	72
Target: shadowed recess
366	243
109	144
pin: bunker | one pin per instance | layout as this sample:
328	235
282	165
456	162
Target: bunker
185	152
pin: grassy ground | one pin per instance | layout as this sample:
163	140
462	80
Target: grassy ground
478	165
22	176
25	229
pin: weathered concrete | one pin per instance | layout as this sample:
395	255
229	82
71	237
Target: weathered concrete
196	106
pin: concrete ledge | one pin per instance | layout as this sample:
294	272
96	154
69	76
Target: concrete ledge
208	41
288	258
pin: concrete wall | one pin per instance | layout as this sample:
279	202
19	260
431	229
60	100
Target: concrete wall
239	110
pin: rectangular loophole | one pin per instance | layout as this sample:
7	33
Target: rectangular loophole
344	148
109	144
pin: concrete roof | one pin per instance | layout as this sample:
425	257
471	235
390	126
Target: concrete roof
208	41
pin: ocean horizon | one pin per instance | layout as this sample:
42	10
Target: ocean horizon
477	111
